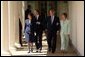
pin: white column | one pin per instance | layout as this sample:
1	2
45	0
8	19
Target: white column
19	9
23	16
16	14
1	26
11	25
4	29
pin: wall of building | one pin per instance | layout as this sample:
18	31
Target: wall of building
4	26
62	7
34	5
76	14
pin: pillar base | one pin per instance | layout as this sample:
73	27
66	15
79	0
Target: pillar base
5	53
12	50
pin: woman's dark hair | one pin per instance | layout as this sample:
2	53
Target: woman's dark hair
65	14
30	14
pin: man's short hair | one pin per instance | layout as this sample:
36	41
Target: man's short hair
37	11
29	6
52	10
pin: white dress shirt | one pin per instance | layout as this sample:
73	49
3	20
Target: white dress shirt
52	19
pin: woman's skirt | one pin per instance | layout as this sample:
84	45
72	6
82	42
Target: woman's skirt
29	37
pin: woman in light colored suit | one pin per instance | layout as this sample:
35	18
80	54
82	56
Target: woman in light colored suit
28	32
65	32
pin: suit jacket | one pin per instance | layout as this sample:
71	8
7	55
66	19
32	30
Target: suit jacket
38	24
53	27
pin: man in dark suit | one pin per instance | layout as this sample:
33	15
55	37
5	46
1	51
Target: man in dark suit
27	11
53	25
38	30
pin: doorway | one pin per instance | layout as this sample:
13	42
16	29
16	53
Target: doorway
44	6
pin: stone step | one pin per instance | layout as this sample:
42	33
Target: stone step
43	53
24	50
25	53
34	48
